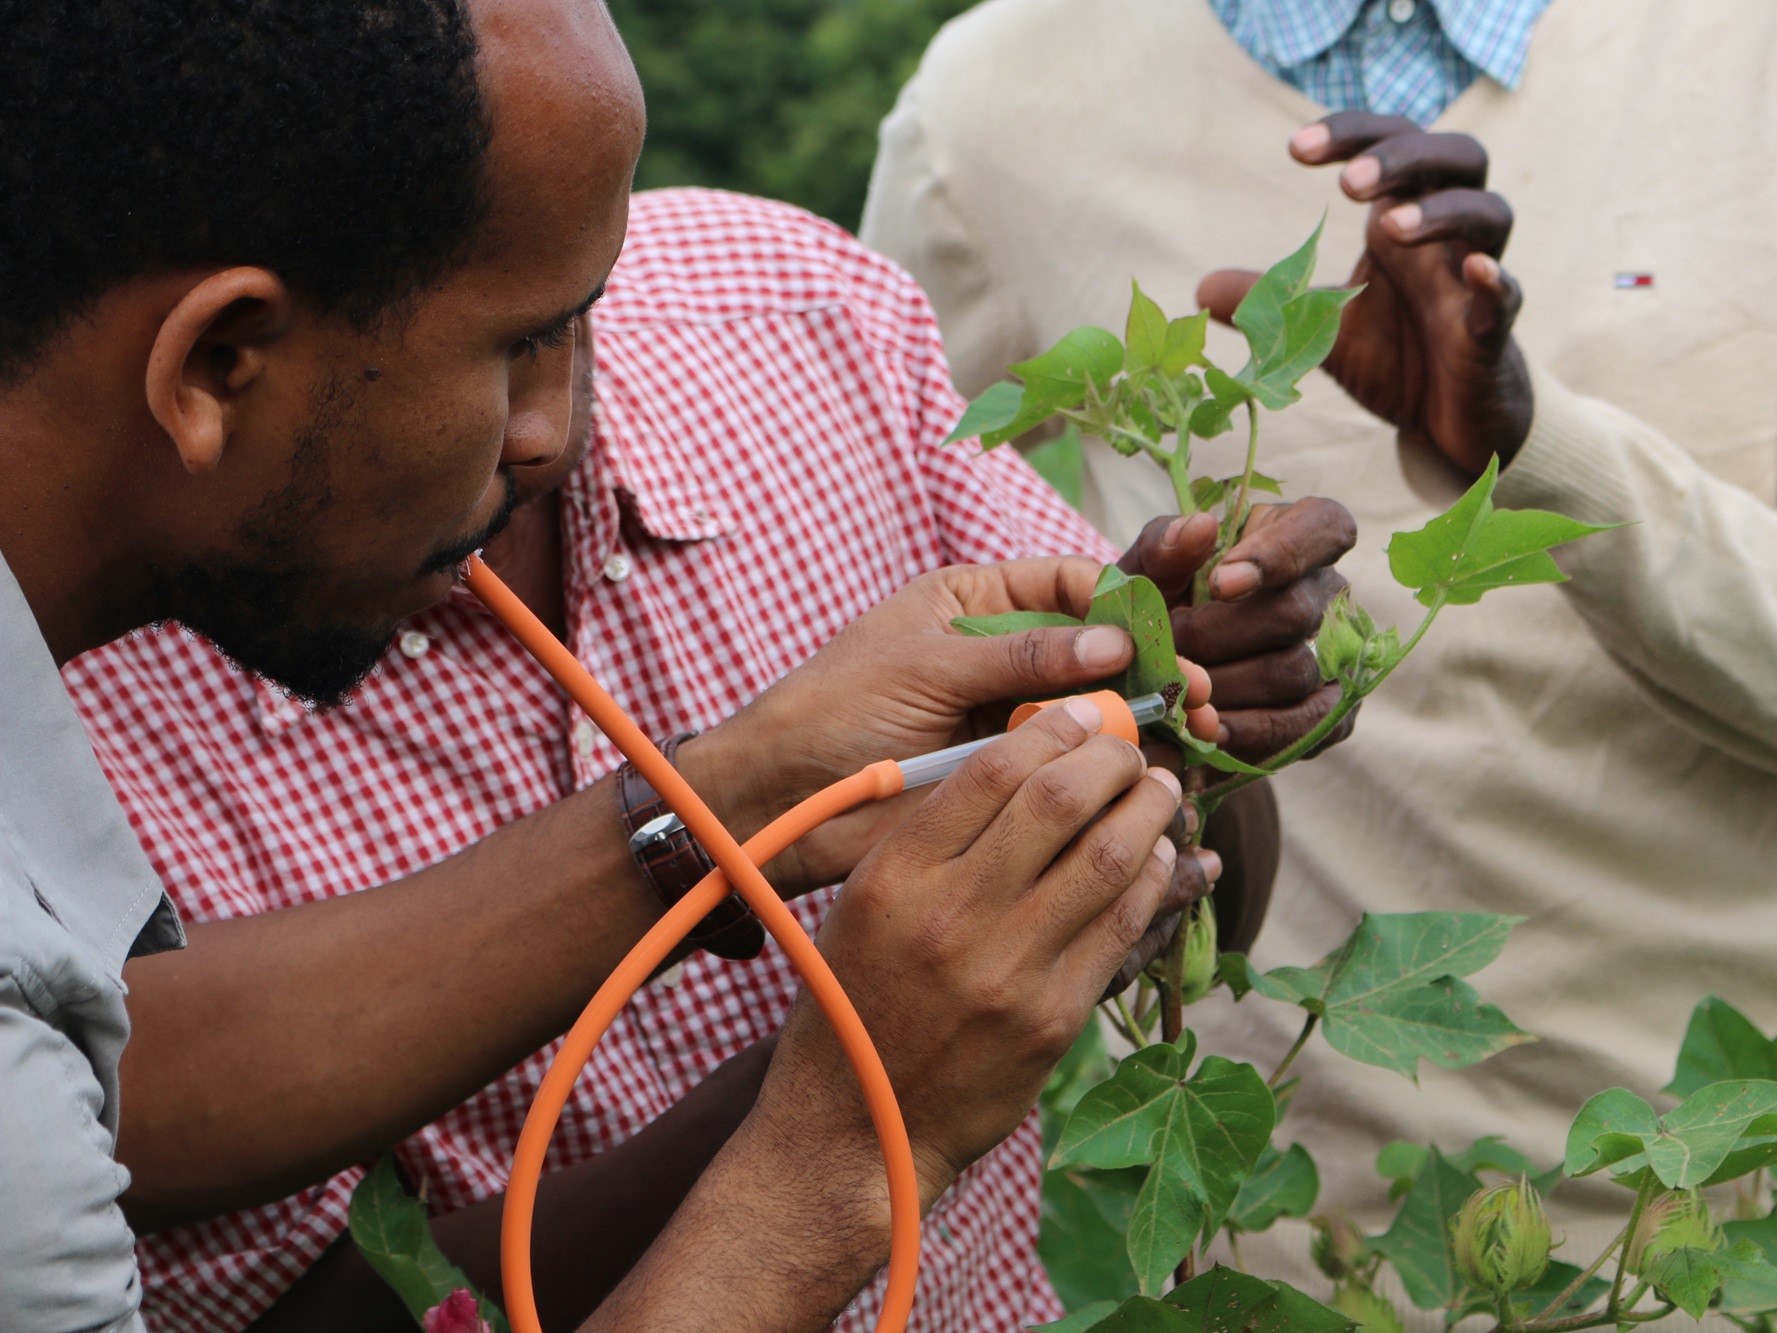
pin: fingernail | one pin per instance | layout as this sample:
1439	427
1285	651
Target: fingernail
1088	714
1488	269
1167	779
1236	580
1361	174
1211	863
1166	851
1101	648
1406	218
1170	538
1311	138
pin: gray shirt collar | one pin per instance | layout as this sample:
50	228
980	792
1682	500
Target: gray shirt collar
57	811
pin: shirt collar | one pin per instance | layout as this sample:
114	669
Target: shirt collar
1493	35
59	813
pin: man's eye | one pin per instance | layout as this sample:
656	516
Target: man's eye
559	336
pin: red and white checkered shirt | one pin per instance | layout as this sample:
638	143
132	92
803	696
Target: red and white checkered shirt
766	467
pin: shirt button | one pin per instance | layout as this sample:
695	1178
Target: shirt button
673	975
618	567
585	737
414	644
1402	11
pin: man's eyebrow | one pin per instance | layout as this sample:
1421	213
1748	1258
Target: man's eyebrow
568	316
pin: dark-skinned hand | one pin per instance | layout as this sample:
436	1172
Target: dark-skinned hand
1428	345
1267	598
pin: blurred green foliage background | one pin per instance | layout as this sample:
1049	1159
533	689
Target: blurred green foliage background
773	97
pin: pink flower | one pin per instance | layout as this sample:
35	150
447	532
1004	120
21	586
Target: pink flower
458	1312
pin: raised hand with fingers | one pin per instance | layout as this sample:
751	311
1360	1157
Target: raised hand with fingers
1428	345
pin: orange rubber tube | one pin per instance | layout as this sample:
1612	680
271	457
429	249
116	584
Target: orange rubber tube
737	866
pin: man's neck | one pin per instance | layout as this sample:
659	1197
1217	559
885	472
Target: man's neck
528	557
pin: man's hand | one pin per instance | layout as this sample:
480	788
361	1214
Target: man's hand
900	682
1428	346
1267	599
976	939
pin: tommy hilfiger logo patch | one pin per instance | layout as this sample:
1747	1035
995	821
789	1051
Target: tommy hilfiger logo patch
1624	281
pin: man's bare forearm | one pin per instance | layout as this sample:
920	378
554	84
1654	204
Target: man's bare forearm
782	1231
280	1048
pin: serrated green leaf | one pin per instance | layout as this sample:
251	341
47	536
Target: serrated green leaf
1391	995
1720	1043
1081	1241
1689	1277
1062	463
1144	335
1202	1133
1260	313
994	409
1692	1145
1282	1184
1086	355
1225	1300
1012	622
1418	1241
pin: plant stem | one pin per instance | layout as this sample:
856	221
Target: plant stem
1236	516
1508	1321
1132	1029
1290	1055
1642	1196
1234	1249
1596	1319
1573	1287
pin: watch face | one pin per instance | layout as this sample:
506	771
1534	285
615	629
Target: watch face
655	831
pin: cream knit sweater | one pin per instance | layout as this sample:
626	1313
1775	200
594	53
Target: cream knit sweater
1599	758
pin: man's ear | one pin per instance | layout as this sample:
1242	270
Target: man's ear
208	351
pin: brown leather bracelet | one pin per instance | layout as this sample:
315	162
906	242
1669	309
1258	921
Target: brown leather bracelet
672	862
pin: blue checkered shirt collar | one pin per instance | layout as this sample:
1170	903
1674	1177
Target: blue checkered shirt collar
1494	35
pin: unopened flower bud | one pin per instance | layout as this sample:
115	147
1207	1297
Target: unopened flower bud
1337	1246
1678	1220
1500	1238
1197	972
1365	1308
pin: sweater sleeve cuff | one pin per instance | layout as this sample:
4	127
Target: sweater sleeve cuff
1569	462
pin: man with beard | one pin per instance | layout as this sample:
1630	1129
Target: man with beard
693	545
289	297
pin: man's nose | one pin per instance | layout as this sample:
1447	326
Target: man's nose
537	425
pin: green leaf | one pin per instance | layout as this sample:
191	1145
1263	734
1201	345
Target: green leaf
1236	971
1201	1134
1184	344
1754	1289
1391	994
1472	548
1400	1163
1087	355
1145	333
1012	622
1211	416
1556	1278
1132	602
1225	1300
1260	313
1418	1241
1689	1277
1086	1216
1310	328
1283	1184
391	1230
1691	1146
1087	1063
1062	463
1082	1319
1270	485
996	408
1721	1043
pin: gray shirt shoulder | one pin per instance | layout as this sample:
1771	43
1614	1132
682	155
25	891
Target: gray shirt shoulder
77	897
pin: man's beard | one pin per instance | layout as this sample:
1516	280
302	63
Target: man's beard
264	608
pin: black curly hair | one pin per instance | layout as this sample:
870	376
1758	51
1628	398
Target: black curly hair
339	143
